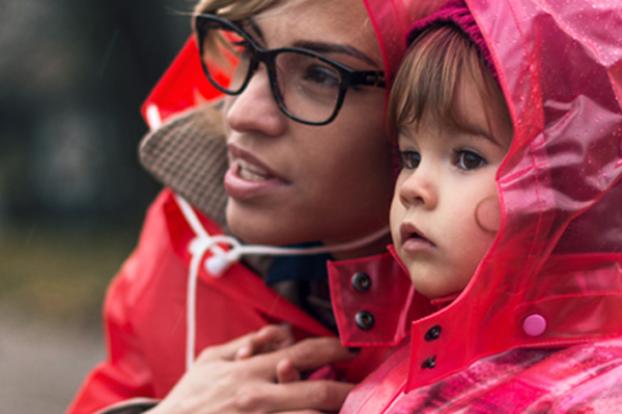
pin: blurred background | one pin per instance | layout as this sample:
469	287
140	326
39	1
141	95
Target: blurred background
72	196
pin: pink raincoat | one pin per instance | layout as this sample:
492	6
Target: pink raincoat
538	327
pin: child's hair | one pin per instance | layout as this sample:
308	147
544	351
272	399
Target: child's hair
428	79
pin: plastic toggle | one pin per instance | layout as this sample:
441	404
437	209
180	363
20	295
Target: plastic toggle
216	265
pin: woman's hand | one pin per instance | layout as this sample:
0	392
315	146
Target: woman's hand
259	373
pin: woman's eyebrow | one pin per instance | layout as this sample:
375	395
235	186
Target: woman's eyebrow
324	47
255	28
321	47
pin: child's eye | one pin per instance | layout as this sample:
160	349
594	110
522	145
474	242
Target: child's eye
409	159
468	160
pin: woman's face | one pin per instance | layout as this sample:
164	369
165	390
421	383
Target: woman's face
289	182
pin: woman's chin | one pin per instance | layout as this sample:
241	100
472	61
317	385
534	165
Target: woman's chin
261	227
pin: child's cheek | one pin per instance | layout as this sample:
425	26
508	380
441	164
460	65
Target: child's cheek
487	214
395	217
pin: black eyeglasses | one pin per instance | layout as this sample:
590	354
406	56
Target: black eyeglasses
307	87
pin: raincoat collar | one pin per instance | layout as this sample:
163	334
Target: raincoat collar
188	154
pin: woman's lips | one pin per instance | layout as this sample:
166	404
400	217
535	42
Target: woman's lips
413	240
248	177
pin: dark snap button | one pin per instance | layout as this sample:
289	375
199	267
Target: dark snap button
433	333
361	282
429	363
364	320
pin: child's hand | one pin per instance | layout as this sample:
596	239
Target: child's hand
268	339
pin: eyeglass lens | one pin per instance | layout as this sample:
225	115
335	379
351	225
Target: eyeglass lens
307	87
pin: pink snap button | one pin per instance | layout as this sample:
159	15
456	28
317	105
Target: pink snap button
534	325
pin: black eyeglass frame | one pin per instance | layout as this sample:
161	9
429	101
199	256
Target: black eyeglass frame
348	76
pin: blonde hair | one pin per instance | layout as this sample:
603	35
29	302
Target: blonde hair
234	9
428	79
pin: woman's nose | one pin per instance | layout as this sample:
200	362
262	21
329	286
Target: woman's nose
419	189
255	110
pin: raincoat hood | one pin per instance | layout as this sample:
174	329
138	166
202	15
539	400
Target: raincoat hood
553	275
391	20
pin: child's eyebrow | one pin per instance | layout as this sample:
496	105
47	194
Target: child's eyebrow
476	131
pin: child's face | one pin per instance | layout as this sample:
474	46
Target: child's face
447	174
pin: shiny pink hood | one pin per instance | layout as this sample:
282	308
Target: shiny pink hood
553	276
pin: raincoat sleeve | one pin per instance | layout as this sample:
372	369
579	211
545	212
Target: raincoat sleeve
125	374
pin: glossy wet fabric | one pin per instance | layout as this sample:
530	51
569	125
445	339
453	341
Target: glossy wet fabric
579	379
553	277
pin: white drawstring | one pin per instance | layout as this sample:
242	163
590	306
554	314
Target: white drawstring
221	260
198	247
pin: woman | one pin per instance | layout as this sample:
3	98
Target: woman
308	163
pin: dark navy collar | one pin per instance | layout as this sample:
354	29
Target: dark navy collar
298	268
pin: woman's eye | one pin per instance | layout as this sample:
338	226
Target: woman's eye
468	160
241	49
409	159
321	75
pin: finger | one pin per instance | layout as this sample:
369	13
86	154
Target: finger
267	339
305	355
228	351
286	372
272	338
308	395
246	351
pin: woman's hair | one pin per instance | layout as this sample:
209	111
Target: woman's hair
428	79
234	9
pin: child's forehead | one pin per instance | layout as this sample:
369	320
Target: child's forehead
472	111
449	130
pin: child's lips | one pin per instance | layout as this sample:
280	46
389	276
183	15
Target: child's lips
412	239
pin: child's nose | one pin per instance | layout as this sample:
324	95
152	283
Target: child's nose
419	190
255	110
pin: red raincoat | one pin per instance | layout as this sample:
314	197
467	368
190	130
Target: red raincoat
538	327
153	326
